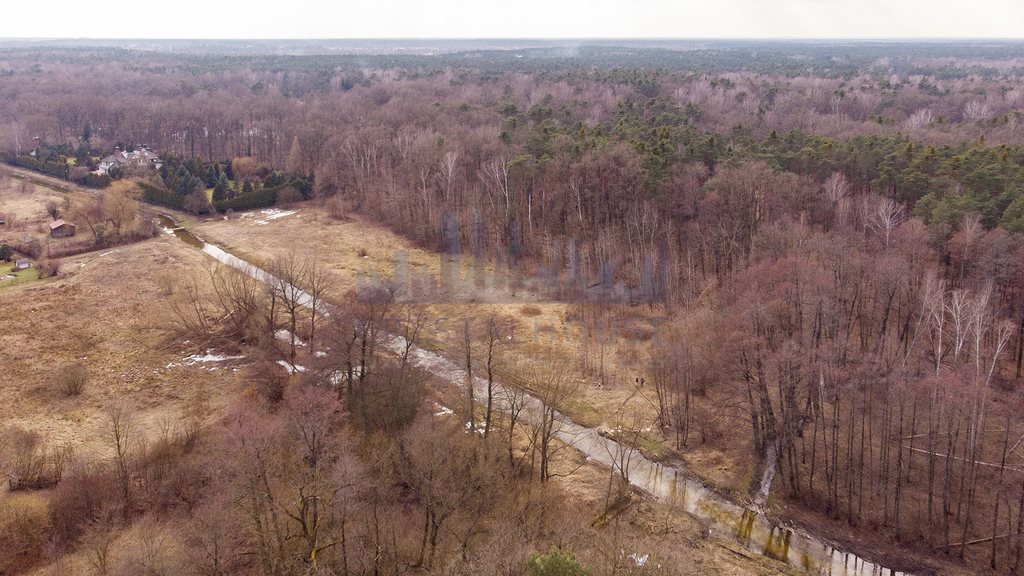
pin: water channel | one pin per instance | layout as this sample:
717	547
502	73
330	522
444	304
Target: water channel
669	484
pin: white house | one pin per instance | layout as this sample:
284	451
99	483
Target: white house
140	157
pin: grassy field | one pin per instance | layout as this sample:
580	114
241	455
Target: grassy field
24	204
19	276
107	311
24	199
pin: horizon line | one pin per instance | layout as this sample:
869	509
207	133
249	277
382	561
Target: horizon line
528	38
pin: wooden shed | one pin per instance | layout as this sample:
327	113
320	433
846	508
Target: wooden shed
22	264
61	229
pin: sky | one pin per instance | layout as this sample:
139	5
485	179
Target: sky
296	19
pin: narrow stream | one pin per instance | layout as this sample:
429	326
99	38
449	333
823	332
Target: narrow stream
668	484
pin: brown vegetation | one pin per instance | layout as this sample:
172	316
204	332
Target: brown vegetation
803	282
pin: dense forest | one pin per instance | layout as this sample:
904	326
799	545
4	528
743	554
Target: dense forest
832	233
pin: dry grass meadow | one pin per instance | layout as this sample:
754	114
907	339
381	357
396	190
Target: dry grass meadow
106	311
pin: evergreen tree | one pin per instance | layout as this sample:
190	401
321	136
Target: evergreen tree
221	188
1013	217
82	154
555	563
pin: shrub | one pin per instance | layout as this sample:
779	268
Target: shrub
54	169
95	180
288	196
637	330
555	563
48	268
23	529
270	380
31	463
266	196
79	500
161	196
72	378
258	199
336	208
31	247
530	311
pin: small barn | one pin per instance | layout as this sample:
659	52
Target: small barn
22	264
61	229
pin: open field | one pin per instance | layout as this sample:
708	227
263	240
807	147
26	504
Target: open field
107	311
24	203
25	198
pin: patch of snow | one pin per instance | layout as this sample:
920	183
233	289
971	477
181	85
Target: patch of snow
272	214
639	560
291	369
286	336
210	358
203	358
443	411
320	354
339	376
107	253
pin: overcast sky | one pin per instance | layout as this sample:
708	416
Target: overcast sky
513	19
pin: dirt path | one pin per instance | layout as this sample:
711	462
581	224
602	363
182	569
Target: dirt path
43	179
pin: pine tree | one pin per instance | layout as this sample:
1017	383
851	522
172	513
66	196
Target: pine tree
221	188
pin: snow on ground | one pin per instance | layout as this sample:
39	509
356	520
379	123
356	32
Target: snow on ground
291	369
639	560
269	215
208	357
286	336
